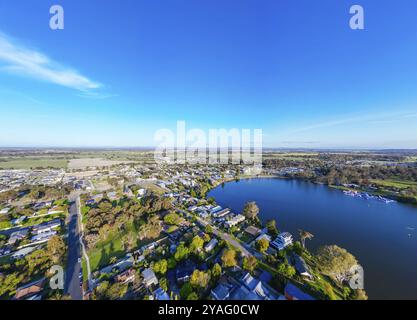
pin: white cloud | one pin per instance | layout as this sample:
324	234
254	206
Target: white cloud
20	60
362	118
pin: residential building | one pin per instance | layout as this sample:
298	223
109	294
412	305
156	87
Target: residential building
22	252
255	290
46	227
253	231
294	293
235	220
301	267
221	292
17	236
44	236
160	294
30	289
149	277
211	245
221	213
126	276
282	241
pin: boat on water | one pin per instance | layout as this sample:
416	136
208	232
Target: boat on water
367	196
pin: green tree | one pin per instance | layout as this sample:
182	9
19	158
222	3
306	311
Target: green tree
250	263
272	227
229	258
107	291
163	282
209	229
200	279
186	290
182	252
171	263
172	219
251	210
192	296
336	262
262	245
37	261
216	271
160	266
360	295
196	244
286	270
56	249
9	283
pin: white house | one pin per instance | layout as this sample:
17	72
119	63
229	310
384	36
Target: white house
22	252
4	210
282	241
235	220
211	245
149	277
44	236
221	213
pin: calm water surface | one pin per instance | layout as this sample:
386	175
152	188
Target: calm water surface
383	237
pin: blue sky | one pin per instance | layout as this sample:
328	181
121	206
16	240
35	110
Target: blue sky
120	70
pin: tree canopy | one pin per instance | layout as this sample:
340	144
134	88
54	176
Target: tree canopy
251	210
335	261
229	258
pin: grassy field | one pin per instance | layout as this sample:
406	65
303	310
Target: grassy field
100	256
395	183
32	163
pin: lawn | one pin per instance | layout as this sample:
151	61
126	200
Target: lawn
101	254
399	184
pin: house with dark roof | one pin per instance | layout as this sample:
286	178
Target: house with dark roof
301	266
253	289
160	294
294	293
185	270
126	276
221	292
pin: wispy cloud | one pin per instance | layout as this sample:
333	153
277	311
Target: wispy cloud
362	118
31	63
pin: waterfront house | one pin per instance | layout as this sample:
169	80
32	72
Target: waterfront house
282	241
235	220
221	213
301	267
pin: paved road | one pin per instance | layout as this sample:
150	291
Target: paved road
72	281
226	237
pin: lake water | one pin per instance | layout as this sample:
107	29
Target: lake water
383	237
